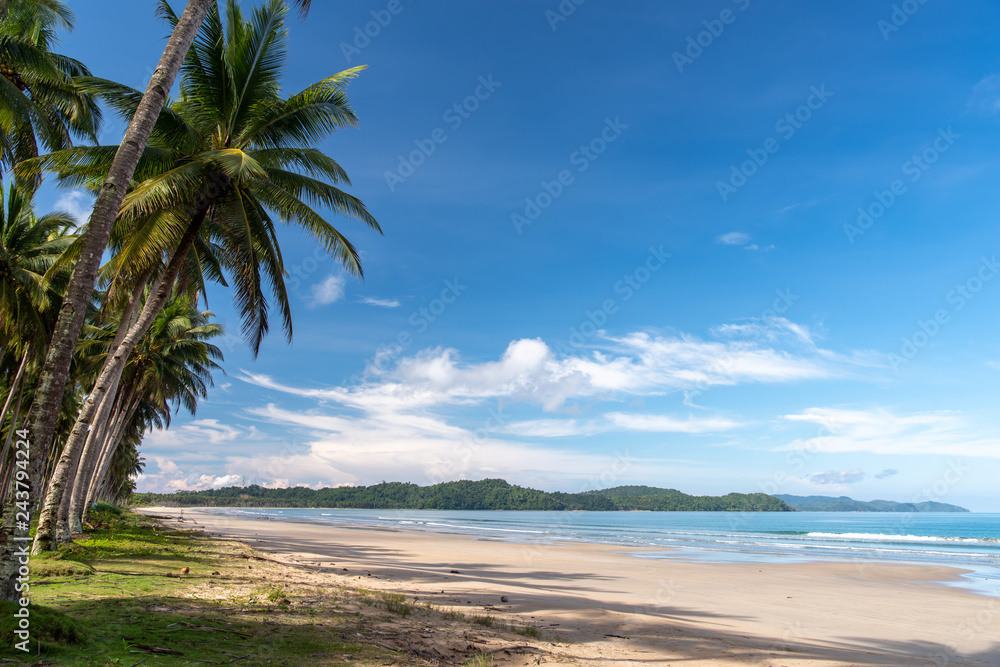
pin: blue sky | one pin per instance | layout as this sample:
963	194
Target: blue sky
723	246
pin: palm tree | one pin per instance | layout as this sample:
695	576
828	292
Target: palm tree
172	364
39	101
55	371
29	247
225	156
31	250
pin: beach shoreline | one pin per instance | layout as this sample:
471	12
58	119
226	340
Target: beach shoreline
618	609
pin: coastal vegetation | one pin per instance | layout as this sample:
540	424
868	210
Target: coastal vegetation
105	331
845	504
487	494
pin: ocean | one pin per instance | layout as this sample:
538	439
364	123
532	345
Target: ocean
968	541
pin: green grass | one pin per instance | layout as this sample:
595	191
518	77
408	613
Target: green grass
494	622
52	628
481	660
123	587
395	603
527	631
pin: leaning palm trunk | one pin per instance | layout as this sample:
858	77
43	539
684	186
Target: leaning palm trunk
108	445
113	440
63	533
15	389
15	383
75	495
52	379
95	437
107	382
8	469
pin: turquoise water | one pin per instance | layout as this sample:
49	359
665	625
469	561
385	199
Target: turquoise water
969	541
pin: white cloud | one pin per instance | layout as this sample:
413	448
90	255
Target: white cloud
770	330
802	204
169	477
742	239
197	434
734	238
888	472
880	431
382	303
329	291
837	477
426	448
553	428
986	95
78	203
638	364
666	424
619	421
165	465
433	416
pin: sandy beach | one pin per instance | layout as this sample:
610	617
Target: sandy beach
613	608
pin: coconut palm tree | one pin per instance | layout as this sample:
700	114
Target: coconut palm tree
29	249
55	371
110	194
39	101
29	246
225	160
172	364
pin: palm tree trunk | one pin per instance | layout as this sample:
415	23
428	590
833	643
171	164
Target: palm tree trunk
107	382
85	468
52	379
15	389
8	470
13	385
85	473
110	433
63	531
113	439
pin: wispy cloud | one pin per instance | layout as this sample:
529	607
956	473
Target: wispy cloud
888	472
433	416
802	204
382	303
78	204
837	477
734	238
329	290
986	95
742	239
638	364
620	422
881	431
197	433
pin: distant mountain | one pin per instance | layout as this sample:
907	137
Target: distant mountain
487	494
845	504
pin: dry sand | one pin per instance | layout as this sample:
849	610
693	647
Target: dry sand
614	608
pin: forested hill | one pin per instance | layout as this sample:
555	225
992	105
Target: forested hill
845	504
487	494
